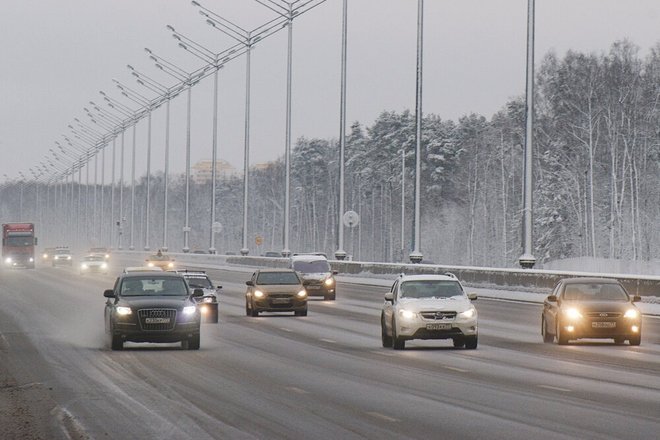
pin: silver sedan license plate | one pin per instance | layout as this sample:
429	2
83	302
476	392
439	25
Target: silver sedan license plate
603	324
157	320
438	326
281	300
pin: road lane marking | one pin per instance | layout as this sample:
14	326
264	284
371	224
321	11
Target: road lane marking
286	329
384	353
460	370
550	387
329	341
382	416
297	390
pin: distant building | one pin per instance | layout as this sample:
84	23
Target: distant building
201	171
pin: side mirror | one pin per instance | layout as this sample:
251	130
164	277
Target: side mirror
389	297
637	298
218	287
249	283
335	272
197	293
109	293
552	298
472	296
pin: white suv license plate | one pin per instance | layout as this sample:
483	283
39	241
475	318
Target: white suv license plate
438	326
603	324
157	320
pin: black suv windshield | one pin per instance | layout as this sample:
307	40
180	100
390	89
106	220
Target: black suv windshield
594	292
277	278
153	286
317	266
430	289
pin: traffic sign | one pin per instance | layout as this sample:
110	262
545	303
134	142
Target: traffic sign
351	219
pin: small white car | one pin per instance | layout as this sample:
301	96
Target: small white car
93	263
428	307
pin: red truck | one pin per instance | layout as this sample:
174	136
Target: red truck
18	243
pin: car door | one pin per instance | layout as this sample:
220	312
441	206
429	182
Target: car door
551	309
388	307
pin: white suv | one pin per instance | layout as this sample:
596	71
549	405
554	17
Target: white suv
428	307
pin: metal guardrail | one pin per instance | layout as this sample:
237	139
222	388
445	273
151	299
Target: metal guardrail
534	280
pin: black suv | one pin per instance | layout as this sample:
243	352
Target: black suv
152	307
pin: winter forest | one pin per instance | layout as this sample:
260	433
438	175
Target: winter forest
596	180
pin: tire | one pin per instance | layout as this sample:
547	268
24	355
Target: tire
253	312
636	340
191	344
387	340
471	342
116	342
562	339
619	340
459	342
247	308
547	337
397	342
329	297
300	312
214	317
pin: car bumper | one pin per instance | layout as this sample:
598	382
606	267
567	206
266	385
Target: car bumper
605	329
133	332
267	305
444	329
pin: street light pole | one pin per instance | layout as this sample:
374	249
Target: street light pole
340	253
416	254
527	259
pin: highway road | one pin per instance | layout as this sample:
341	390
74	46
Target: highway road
324	376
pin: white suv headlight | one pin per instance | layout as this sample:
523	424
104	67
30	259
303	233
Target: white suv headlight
469	313
407	314
189	310
631	313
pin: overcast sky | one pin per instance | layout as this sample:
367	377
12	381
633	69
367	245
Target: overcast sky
57	54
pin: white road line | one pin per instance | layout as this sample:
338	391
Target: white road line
284	329
381	416
550	387
384	353
329	341
297	390
460	370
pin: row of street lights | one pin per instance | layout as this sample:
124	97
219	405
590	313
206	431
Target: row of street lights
116	122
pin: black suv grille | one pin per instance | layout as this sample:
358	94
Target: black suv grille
438	315
157	319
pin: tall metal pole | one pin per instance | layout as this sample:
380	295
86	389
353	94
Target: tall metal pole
340	253
112	194
416	254
527	259
403	203
121	194
102	206
166	172
148	197
287	153
131	245
214	158
246	159
186	226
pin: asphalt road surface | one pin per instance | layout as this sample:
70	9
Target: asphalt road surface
324	376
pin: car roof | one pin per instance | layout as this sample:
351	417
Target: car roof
590	280
142	269
434	277
147	273
308	257
275	270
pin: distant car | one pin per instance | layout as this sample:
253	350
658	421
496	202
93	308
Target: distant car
275	290
428	307
161	260
100	251
93	263
152	307
62	256
47	254
316	273
141	269
591	308
273	254
208	304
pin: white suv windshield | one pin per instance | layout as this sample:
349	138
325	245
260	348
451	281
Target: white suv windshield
430	289
317	266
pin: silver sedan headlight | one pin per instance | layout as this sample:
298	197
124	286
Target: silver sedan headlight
469	313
